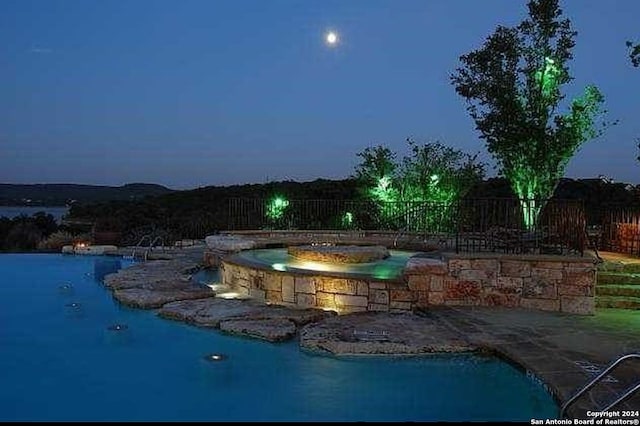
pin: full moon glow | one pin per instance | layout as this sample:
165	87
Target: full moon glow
332	38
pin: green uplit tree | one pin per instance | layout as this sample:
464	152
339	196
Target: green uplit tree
275	210
377	173
431	173
512	86
438	173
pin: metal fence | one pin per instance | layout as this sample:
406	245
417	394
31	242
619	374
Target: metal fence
252	213
494	224
617	228
497	225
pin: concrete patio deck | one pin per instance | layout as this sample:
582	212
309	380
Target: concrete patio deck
564	351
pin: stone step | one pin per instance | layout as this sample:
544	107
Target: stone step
618	290
617	278
631	267
620	302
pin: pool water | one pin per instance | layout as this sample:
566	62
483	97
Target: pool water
280	260
59	361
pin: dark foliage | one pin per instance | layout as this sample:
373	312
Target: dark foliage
23	233
199	212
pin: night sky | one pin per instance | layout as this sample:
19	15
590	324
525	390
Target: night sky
215	92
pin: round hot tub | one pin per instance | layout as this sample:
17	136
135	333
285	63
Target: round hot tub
342	284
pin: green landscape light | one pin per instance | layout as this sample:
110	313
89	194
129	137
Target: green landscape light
347	220
384	191
276	207
384	183
548	77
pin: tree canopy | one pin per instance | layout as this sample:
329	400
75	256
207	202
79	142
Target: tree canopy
512	85
432	172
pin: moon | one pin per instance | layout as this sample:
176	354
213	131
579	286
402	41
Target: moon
331	38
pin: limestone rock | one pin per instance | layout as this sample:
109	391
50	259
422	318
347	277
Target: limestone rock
150	299
212	311
151	284
244	317
157	274
271	329
229	243
339	254
424	265
205	312
379	333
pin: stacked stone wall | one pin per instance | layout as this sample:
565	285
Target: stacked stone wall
533	282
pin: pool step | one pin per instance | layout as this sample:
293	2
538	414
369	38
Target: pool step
629	268
620	302
617	278
617	289
631	290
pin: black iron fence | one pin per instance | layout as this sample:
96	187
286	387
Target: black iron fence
496	224
616	228
251	213
513	226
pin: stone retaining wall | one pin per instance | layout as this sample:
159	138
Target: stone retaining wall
547	283
534	282
343	295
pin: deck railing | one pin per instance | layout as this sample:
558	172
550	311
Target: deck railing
488	224
618	228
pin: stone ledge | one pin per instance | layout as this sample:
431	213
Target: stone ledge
339	254
424	265
381	333
211	312
270	329
229	243
90	250
151	299
587	258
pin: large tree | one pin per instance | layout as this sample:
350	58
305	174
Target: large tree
512	86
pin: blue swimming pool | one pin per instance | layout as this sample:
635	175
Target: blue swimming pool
60	361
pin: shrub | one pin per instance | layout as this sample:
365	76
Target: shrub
58	239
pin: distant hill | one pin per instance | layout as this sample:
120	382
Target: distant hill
63	194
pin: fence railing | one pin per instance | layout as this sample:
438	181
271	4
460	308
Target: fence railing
499	224
495	224
618	229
